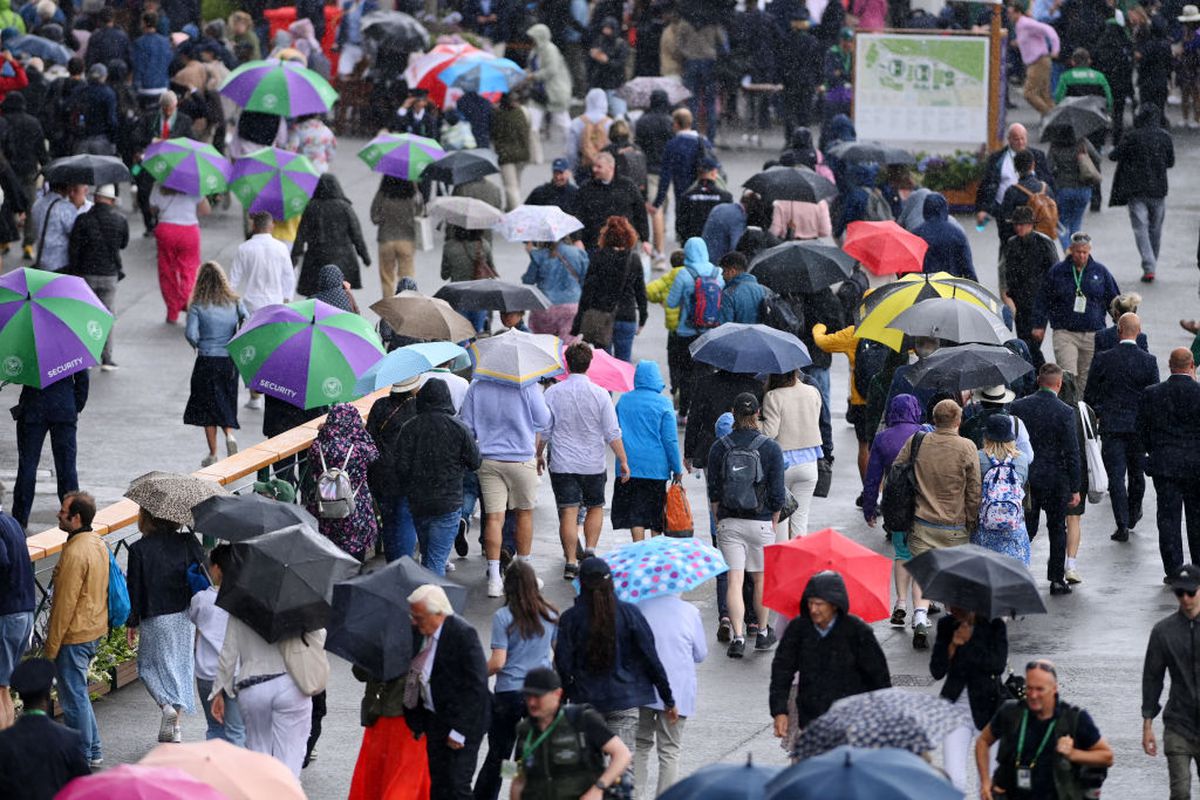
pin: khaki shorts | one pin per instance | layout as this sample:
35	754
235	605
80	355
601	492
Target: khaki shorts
926	537
742	541
652	182
508	485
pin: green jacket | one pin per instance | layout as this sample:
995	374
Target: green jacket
1089	82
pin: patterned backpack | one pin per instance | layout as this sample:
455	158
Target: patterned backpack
1000	509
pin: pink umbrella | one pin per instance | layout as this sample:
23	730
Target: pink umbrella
136	782
606	372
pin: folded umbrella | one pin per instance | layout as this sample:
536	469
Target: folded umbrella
662	565
750	349
401	155
460	167
606	371
791	183
172	495
636	93
537	224
855	773
188	166
482	74
801	267
899	718
491	294
88	169
370	625
235	772
276	181
407	362
1082	116
516	357
723	782
871	153
465	212
139	782
419	317
279	87
789	566
884	247
968	366
237	517
977	579
885	303
952	319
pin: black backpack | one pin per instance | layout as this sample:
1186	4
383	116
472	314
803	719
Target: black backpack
899	503
776	312
742	475
870	358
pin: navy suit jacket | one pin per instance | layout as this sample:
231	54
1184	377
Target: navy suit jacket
1168	424
61	401
38	757
1051	425
458	684
1115	384
1107	339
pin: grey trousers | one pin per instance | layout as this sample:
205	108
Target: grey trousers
1146	218
105	287
655	730
624	725
1180	752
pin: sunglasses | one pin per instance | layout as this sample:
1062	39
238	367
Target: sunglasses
1044	666
1182	592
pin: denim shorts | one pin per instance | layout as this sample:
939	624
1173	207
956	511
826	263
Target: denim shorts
572	489
15	630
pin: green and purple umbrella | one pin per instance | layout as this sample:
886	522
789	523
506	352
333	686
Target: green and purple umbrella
279	182
188	166
306	353
401	155
51	326
279	87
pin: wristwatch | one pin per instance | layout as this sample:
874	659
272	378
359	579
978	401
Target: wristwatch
601	785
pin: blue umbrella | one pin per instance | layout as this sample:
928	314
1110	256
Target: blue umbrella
406	362
751	349
662	565
480	74
39	47
854	773
723	782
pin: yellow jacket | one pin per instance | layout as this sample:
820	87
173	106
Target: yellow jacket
844	341
79	610
656	292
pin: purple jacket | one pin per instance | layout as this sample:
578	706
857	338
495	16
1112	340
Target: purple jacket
903	420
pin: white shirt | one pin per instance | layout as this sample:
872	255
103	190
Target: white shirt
1008	175
426	671
210	622
457	385
175	209
262	272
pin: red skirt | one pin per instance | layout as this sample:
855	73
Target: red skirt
392	765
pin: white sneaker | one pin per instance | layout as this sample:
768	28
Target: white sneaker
208	461
170	720
255	402
450	566
1073	576
495	587
177	735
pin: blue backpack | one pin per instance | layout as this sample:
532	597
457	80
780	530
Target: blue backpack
1001	508
118	593
706	301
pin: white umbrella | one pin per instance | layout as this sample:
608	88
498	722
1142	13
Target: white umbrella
537	224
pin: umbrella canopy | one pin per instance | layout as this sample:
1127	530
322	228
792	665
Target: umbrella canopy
466	212
662	565
871	153
89	169
306	353
801	267
1082	116
279	87
51	326
537	224
235	772
422	72
47	50
607	372
188	166
853	773
723	782
491	294
420	317
401	155
791	183
402	28
952	319
276	181
968	366
884	304
139	782
407	362
237	517
480	73
899	718
370	625
751	349
516	357
172	495
867	574
884	247
636	93
281	583
977	579
461	166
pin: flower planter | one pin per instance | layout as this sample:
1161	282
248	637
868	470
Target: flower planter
962	200
95	690
124	673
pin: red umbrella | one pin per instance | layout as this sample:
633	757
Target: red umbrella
885	248
866	573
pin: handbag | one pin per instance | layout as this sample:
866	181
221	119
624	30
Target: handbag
480	268
423	234
305	661
596	327
1087	168
678	513
824	478
1097	476
790	504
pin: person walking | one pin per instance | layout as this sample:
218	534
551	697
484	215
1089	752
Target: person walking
606	195
614	285
18	601
558	269
211	622
94	253
54	215
651	134
1026	258
1005	470
311	137
558	191
1119	377
1168	426
742	297
385	421
25	148
523	633
38	756
261	272
700	199
53	410
394	212
651	438
1038	44
1054	473
949	251
177	234
343	443
1107	339
696	315
329	233
1000	173
214	315
1074	185
1144	156
791	415
548	69
511	139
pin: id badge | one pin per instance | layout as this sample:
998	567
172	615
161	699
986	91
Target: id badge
1024	779
1080	304
508	769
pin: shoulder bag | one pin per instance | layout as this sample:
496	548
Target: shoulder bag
1097	476
1087	168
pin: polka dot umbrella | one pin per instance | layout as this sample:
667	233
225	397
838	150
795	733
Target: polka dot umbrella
662	565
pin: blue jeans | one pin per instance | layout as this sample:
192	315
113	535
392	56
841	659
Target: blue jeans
699	76
470	495
233	730
72	665
1072	204
478	318
820	376
617	107
436	535
1146	217
622	340
398	533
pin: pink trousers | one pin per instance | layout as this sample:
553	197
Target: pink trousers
178	262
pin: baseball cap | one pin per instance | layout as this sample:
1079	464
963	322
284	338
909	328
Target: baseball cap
593	569
107	190
560	165
1186	577
745	404
541	681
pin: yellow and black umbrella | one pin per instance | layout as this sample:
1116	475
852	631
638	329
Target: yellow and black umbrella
883	305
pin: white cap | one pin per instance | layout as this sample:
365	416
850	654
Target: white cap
107	190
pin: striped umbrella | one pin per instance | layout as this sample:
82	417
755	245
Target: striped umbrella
279	87
401	155
188	166
478	73
424	70
276	181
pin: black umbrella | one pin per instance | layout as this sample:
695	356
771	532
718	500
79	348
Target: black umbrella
492	295
402	29
370	625
953	320
89	169
461	166
871	153
281	583
791	183
801	267
977	579
968	366
1083	116
705	12
237	517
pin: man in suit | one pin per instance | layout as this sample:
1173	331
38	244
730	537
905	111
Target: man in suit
1118	378
1000	174
1168	427
447	695
38	756
1054	473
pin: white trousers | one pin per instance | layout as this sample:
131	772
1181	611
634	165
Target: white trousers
800	480
958	751
277	717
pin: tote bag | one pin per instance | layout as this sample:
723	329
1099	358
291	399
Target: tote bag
1097	476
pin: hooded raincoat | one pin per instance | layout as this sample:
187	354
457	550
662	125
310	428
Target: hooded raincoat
948	250
903	420
648	427
329	233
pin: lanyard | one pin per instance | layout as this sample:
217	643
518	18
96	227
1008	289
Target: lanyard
528	749
1078	276
1021	741
35	712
